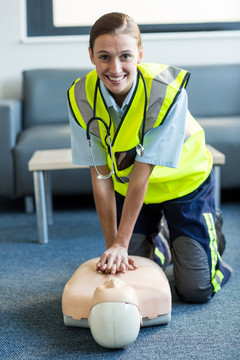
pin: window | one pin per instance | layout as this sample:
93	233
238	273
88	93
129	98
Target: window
75	17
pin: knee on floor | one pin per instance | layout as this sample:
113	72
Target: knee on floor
191	271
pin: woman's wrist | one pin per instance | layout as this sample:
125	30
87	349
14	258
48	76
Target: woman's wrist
122	240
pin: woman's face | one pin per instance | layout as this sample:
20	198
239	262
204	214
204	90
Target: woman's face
115	57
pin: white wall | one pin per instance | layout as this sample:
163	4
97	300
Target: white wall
17	56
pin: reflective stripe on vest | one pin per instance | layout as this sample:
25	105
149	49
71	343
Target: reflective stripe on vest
171	79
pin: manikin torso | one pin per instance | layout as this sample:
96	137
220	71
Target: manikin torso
148	281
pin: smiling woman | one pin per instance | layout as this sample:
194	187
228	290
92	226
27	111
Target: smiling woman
70	17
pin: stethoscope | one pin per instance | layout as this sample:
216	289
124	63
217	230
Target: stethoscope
139	147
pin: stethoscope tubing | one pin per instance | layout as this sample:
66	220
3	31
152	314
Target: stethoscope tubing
139	147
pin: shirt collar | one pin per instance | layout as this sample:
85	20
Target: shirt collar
109	100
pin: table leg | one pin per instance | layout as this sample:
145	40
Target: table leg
217	173
40	200
29	204
48	191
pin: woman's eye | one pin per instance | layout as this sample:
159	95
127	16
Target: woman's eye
126	57
104	57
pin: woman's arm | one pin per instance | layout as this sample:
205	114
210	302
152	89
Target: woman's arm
115	258
105	202
138	184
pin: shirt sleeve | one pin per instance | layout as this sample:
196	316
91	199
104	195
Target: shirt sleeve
163	144
81	154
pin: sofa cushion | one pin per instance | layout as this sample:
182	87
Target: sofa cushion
45	95
213	90
221	129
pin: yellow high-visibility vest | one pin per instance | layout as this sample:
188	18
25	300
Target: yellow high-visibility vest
164	83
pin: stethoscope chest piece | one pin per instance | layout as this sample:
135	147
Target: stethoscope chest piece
140	150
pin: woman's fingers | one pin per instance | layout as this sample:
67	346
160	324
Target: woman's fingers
123	268
114	269
115	260
132	263
102	263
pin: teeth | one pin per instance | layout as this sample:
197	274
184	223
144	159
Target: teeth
116	78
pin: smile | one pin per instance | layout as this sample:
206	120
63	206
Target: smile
116	79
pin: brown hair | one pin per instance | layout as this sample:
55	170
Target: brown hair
115	23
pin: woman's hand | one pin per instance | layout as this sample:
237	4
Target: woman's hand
115	259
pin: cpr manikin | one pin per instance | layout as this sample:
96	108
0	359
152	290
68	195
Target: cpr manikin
115	306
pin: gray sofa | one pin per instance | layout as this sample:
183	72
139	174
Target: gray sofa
40	121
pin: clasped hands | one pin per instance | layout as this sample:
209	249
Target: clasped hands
114	260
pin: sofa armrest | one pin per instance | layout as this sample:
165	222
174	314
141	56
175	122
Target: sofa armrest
10	126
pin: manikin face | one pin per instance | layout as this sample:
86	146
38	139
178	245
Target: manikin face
115	57
114	290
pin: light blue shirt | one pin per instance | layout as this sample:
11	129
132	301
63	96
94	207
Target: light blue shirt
162	145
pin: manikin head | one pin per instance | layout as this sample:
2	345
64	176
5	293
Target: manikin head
114	317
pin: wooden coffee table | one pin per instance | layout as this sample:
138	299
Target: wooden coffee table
44	161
